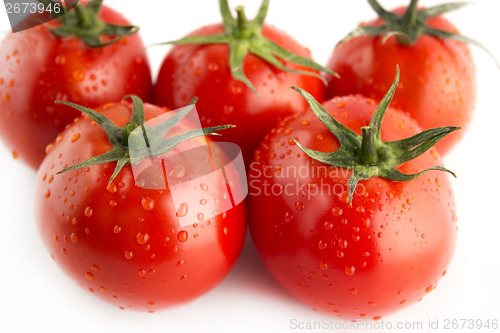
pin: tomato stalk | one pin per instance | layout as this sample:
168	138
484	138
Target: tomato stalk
120	137
367	155
407	28
244	37
83	22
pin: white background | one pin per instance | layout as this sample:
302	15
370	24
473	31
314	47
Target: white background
35	295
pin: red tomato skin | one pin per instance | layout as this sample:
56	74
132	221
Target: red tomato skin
37	68
438	77
366	261
202	71
121	242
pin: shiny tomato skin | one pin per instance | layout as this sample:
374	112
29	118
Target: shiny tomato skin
37	68
122	242
368	260
438	78
202	71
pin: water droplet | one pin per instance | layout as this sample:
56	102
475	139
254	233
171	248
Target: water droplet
299	205
89	275
228	109
78	75
46	193
74	238
342	243
200	216
111	188
429	289
305	122
142	238
182	210
349	270
204	187
128	254
177	171
60	60
182	236
88	212
288	217
321	245
354	291
148	203
180	263
112	203
141	272
203	201
236	90
75	137
323	265
184	278
117	229
337	211
212	67
225	231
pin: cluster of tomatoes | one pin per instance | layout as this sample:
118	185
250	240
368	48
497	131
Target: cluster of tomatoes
339	200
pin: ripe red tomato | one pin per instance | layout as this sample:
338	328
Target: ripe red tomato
37	68
365	260
438	80
123	242
204	71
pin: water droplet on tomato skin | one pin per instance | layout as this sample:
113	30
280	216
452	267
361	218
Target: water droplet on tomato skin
142	238
349	270
78	75
182	236
204	187
322	245
88	212
147	203
182	210
89	276
46	193
128	255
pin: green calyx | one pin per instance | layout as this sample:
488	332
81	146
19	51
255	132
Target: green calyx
244	36
367	155
154	137
83	22
408	27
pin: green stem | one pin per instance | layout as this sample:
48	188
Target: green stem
241	22
368	152
82	16
410	16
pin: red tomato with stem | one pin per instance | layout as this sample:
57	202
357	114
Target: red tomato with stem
358	241
37	67
241	71
123	242
438	80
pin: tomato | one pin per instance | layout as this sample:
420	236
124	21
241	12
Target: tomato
255	99
367	258
438	80
125	243
36	68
